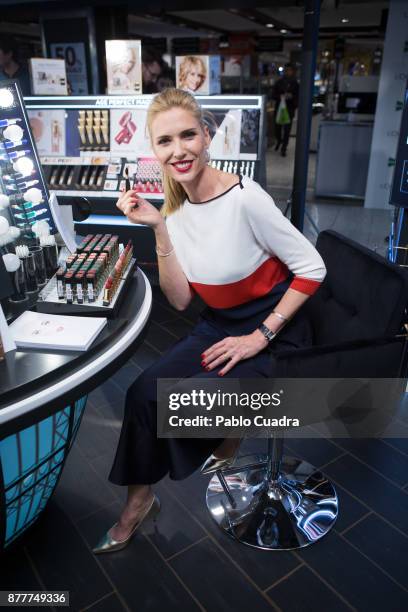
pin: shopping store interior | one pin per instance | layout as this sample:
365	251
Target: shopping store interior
184	561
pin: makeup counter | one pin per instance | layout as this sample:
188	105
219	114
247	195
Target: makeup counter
91	147
50	362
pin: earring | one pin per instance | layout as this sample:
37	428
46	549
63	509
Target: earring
207	156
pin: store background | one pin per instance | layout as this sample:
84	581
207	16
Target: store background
187	563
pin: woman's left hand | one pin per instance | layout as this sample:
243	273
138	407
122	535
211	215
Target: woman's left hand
231	350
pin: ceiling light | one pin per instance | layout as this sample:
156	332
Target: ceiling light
345	20
283	31
269	25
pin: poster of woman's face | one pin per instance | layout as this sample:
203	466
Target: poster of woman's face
123	65
192	73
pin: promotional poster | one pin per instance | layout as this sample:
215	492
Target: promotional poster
48	77
199	74
123	66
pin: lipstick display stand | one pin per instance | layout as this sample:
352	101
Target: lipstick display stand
49	302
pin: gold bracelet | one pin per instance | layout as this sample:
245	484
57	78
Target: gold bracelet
164	254
279	315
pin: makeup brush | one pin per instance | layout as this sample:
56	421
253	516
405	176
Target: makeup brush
127	179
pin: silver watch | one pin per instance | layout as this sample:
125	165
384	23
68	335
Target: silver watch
268	333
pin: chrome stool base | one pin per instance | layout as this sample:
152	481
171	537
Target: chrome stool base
293	510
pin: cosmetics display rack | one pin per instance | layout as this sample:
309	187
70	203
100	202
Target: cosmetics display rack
99	136
93	280
24	191
98	180
78	164
242	167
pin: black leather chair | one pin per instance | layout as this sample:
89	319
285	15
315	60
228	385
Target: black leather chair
358	318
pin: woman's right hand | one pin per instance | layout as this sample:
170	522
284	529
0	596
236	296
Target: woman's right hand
138	210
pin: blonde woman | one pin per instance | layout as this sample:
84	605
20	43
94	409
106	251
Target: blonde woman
192	73
222	237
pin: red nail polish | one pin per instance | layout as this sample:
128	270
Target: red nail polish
220	374
203	364
207	368
202	355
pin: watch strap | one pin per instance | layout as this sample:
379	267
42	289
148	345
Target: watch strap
268	333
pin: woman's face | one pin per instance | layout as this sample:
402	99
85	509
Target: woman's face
128	62
195	77
179	142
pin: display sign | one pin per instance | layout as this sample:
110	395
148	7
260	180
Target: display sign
124	66
48	76
399	191
199	74
75	63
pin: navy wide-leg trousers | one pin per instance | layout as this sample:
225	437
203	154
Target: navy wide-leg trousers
141	457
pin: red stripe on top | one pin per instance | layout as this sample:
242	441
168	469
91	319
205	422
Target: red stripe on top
256	285
305	285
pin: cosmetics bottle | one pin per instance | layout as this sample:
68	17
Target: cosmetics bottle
92	177
84	176
60	283
69	287
63	176
79	280
19	285
91	285
30	273
39	261
99	180
50	251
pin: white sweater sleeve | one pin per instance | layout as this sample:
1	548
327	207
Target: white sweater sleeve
276	235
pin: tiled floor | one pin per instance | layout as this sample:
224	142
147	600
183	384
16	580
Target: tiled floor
184	562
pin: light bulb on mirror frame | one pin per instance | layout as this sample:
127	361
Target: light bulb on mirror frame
6	98
24	166
4	201
33	195
13	133
4	226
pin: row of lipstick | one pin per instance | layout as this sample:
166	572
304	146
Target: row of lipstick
242	167
113	280
96	266
94	178
93	128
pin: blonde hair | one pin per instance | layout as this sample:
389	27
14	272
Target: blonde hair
185	66
174	194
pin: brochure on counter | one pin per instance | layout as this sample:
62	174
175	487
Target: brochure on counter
59	332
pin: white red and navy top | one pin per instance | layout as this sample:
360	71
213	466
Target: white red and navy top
237	250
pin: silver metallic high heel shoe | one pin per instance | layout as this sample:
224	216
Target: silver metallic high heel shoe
108	544
213	463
